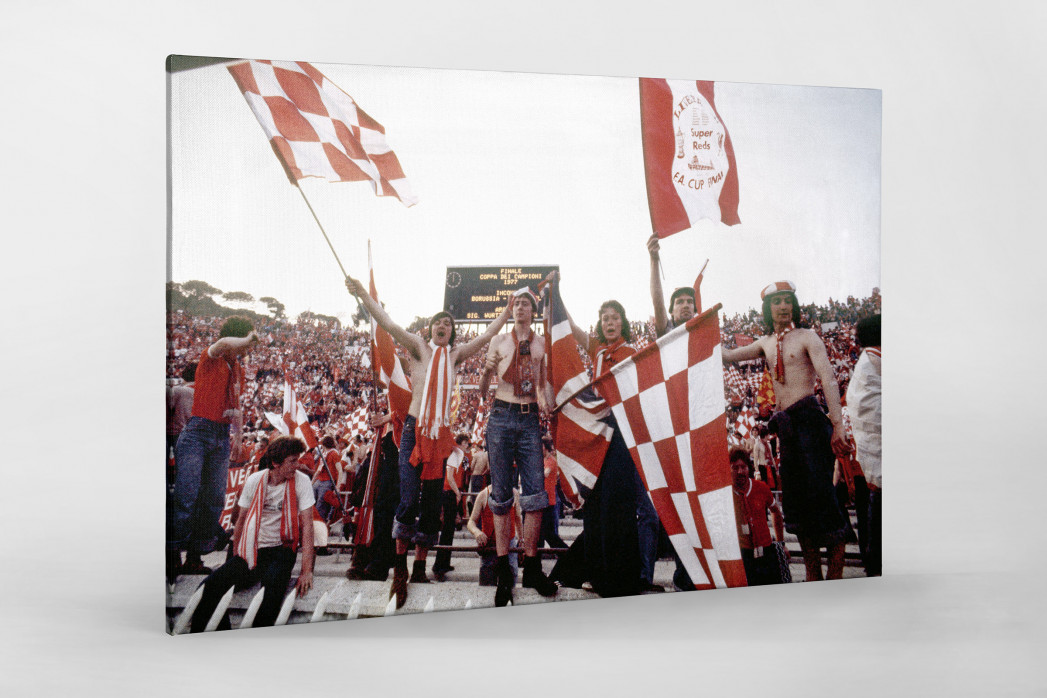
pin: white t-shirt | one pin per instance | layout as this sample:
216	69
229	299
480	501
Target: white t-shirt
269	529
863	407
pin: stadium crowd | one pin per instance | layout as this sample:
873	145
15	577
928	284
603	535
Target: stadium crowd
329	367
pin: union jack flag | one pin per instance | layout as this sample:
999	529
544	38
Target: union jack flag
580	437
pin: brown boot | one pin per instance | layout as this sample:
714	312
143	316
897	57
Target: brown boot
399	585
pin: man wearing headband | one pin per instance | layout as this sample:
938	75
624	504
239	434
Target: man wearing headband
514	442
426	441
809	440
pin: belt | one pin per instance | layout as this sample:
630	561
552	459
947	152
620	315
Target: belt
521	407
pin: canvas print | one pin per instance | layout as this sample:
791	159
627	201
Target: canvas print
441	340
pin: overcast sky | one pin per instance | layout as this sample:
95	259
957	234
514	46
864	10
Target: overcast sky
514	169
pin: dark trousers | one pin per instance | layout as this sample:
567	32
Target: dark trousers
874	551
549	533
273	571
378	556
449	511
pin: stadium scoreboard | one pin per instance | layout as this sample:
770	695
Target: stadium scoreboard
478	294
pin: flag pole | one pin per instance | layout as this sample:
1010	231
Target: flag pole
321	226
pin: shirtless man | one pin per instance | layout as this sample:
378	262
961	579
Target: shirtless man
514	441
426	441
807	438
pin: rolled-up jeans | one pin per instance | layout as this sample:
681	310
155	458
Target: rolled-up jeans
514	443
202	454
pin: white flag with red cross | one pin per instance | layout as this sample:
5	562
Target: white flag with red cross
295	420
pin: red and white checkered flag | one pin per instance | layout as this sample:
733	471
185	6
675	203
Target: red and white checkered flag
357	423
669	403
745	424
317	130
734	380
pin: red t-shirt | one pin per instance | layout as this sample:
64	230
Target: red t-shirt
218	384
751	508
487	524
332	461
456	462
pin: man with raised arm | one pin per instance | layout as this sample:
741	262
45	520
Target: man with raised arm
684	303
426	441
809	440
213	433
514	442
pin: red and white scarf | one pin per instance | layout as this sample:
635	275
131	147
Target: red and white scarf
433	440
606	354
247	546
779	362
521	369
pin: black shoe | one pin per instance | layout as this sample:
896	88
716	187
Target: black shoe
323	550
399	585
418	573
172	565
440	573
650	587
503	593
376	573
534	577
194	567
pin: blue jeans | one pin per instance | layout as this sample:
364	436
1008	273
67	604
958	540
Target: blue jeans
489	563
202	457
514	442
417	517
319	490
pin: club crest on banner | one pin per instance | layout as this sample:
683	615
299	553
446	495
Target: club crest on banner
700	165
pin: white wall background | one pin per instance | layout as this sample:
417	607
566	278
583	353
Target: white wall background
84	196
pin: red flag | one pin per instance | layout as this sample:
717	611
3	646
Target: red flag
669	403
742	340
389	370
688	156
317	130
